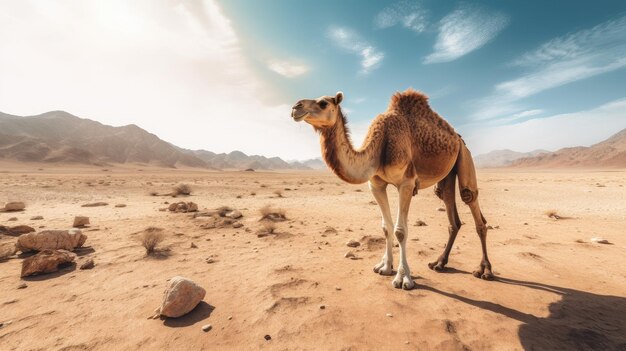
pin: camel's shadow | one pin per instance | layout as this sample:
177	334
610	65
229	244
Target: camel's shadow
578	321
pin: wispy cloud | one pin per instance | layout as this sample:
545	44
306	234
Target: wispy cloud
560	61
464	30
288	69
349	40
410	15
581	128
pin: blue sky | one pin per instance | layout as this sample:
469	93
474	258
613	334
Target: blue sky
519	75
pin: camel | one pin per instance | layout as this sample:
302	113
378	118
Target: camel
411	147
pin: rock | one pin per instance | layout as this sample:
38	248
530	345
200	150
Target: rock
193	246
230	317
16	230
95	204
237	225
267	337
89	264
600	241
234	214
206	327
36	218
173	207
349	254
389	315
322	307
7	250
441	209
22	286
14	206
80	221
181	296
183	207
12	219
420	223
210	260
120	205
52	240
353	243
47	261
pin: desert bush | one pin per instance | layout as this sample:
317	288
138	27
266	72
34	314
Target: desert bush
182	189
150	238
272	214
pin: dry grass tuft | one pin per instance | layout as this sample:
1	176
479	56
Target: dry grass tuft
182	189
273	214
150	238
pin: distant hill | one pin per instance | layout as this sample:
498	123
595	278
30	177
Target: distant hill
610	153
502	158
58	136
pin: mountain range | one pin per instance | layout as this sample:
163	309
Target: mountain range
58	136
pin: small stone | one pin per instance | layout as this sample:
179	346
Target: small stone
230	317
237	225
120	205
80	221
600	241
389	315
420	223
36	218
337	288
210	260
441	209
267	337
489	227
12	219
22	286
206	328
89	264
525	223
349	254
353	243
14	206
193	246
234	214
322	307
95	204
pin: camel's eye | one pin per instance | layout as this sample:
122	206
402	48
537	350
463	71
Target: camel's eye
323	104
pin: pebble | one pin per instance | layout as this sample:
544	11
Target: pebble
206	327
22	286
210	260
36	218
353	243
322	307
89	264
349	254
12	219
441	209
389	315
267	337
600	240
337	288
230	317
193	246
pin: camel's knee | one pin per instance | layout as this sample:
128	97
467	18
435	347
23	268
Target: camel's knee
385	232
453	229
400	234
468	195
481	229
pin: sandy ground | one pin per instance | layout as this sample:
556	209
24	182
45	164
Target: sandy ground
551	292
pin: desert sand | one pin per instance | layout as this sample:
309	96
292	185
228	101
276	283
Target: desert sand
554	289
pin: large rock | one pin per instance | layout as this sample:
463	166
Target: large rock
16	230
47	261
52	240
80	221
181	296
183	207
14	206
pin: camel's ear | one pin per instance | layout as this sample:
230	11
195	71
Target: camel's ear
338	98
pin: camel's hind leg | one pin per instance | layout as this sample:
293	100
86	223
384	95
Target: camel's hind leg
379	190
468	187
445	191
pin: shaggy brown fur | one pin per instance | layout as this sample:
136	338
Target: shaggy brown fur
411	147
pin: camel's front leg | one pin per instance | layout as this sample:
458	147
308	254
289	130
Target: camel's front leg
379	190
403	277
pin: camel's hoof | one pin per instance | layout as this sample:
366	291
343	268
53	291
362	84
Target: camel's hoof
487	276
405	283
483	273
383	269
437	266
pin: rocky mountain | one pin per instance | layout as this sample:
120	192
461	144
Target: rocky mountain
58	136
502	158
610	153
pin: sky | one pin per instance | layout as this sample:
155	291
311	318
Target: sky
223	75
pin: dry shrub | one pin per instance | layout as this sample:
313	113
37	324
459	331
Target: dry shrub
273	214
150	238
278	193
182	189
553	214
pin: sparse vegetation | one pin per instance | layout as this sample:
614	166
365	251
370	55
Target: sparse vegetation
182	189
272	214
151	238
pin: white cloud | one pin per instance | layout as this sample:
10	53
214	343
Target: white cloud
464	30
528	113
288	69
408	14
581	128
560	61
351	41
174	68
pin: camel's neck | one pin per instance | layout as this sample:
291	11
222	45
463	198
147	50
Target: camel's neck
352	166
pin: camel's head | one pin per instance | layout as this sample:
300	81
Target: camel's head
322	112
